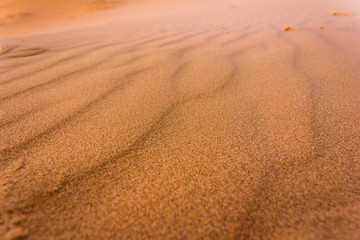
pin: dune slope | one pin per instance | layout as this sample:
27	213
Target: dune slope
183	120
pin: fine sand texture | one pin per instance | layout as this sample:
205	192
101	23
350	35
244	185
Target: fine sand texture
216	119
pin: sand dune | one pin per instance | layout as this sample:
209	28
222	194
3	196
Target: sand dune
181	120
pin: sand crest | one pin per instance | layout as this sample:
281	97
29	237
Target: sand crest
24	52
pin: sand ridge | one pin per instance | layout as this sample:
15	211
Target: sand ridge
186	121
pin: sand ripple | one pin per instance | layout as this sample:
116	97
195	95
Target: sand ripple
24	52
210	129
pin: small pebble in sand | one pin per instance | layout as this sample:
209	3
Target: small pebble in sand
341	14
289	29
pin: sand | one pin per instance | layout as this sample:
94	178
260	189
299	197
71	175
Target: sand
180	119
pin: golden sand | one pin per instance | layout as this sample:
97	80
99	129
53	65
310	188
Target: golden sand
180	120
289	29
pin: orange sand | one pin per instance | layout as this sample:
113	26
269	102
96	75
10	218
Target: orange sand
180	119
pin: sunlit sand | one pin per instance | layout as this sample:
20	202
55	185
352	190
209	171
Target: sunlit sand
180	119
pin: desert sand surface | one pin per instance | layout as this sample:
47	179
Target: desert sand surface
216	119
